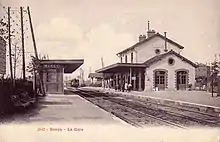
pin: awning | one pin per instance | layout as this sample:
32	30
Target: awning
120	67
69	65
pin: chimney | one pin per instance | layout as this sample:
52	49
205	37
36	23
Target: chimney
165	35
149	31
142	37
148	25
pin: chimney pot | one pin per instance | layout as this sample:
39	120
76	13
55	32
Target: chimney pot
150	33
142	37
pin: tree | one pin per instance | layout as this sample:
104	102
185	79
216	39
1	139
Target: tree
215	75
3	29
16	54
32	68
36	69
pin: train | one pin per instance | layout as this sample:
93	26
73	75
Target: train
75	83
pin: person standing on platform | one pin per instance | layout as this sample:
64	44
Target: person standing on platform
117	87
123	86
129	87
126	86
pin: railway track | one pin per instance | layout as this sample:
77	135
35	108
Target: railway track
178	116
184	112
191	112
128	113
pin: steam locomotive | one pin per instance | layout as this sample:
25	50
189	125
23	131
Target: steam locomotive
75	83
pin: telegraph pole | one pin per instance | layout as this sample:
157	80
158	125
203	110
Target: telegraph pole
36	54
9	42
32	33
22	40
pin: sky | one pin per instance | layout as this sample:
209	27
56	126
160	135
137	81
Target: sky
91	29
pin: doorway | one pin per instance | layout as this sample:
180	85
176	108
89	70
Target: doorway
182	77
160	79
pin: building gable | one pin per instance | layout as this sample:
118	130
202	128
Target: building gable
171	52
154	47
148	40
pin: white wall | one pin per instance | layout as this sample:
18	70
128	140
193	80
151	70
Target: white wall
163	64
147	50
129	57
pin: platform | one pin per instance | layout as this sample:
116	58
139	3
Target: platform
197	99
56	109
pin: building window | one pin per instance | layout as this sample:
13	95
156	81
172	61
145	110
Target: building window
126	58
157	51
121	59
52	75
183	79
162	80
171	61
160	77
157	79
132	57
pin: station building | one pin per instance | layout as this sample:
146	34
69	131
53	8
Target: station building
153	63
53	72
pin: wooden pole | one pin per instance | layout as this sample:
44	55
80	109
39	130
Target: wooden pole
22	41
9	44
36	53
15	61
32	33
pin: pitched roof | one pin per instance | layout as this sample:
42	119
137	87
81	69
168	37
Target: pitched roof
159	57
148	39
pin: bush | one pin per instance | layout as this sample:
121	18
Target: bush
190	86
6	105
10	94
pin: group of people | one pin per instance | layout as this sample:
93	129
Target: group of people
124	87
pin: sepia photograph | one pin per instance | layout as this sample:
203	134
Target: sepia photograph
107	70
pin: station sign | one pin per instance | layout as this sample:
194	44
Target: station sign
51	66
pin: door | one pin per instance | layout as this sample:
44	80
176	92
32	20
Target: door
181	80
160	80
52	85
